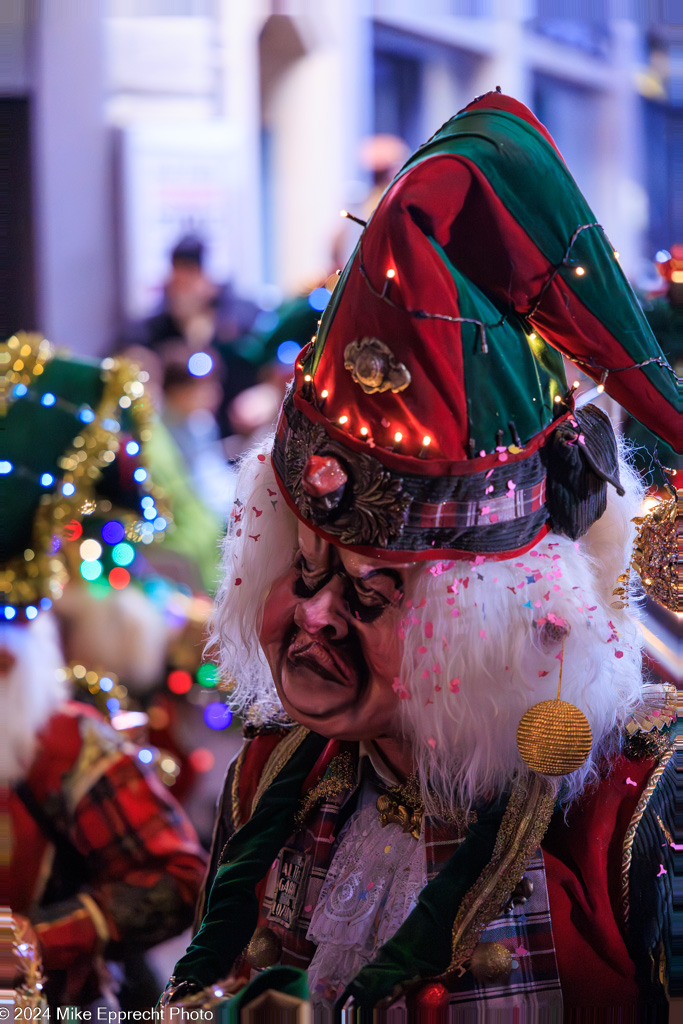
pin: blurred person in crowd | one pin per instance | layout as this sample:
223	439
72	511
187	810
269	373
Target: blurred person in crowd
456	788
103	863
198	316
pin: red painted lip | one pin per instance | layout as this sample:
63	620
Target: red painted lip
320	659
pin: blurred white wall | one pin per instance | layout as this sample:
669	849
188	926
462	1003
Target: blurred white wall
295	85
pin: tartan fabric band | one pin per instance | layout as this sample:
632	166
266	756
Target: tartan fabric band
514	504
496	512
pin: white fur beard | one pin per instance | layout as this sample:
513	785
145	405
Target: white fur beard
30	692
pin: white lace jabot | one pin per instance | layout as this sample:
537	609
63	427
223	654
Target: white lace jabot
373	883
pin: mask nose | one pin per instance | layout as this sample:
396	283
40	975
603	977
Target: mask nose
325	611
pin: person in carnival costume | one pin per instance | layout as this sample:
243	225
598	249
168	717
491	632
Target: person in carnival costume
454	790
103	863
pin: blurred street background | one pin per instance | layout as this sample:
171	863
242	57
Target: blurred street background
171	179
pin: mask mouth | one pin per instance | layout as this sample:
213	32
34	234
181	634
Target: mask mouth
320	659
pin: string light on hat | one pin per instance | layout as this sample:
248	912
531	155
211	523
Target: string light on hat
580	271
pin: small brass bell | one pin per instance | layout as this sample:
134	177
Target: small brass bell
491	961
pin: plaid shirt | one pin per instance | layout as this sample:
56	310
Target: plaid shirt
103	858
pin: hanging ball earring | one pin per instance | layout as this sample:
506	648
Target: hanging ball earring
553	736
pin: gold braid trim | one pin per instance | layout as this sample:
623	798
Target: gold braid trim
630	836
339	777
524	825
278	759
235	788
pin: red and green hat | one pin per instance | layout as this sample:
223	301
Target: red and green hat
431	415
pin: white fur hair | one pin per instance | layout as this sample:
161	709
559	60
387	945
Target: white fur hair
479	645
31	691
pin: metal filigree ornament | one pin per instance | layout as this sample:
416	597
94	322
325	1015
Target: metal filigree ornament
402	806
373	365
655	555
347	493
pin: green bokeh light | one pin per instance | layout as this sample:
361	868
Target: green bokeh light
123	554
207	675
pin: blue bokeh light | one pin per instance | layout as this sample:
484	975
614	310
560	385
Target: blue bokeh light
47	399
47	479
113	532
287	351
217	716
199	364
132	448
318	299
140	475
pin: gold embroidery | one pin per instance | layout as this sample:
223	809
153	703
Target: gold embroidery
665	831
278	759
630	836
524	824
235	789
339	777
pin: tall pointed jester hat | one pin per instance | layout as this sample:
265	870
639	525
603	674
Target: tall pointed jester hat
431	416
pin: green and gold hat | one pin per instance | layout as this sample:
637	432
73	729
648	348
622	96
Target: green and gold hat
71	432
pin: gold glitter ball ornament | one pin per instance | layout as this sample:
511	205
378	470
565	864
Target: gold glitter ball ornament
491	961
554	737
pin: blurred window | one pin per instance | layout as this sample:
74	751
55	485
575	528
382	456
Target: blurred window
587	30
160	8
398	96
563	107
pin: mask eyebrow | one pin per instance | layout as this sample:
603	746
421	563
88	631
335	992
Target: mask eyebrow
392	574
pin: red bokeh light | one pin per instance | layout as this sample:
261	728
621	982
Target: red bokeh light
201	759
179	681
119	578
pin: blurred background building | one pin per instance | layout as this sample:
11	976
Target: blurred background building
134	122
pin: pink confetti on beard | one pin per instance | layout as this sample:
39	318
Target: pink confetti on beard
422	649
482	634
479	560
425	673
432	742
488	475
454	685
618	654
261	458
238	581
422	603
456	613
450	600
436	668
399	689
429	630
556	586
542	673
